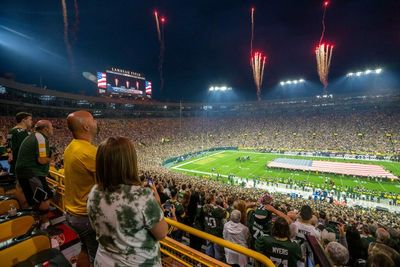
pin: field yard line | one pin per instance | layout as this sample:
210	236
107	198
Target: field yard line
201	172
183	164
381	186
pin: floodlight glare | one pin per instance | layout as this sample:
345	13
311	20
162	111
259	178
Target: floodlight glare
377	71
367	71
359	73
282	83
211	88
302	80
295	81
350	74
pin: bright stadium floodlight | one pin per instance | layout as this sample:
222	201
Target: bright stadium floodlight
283	83
219	88
366	72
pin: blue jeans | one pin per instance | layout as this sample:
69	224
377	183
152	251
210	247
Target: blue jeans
81	225
215	251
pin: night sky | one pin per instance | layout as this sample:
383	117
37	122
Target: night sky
206	43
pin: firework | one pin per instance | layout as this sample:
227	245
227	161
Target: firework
252	32
257	64
66	37
157	25
160	35
326	3
76	22
323	54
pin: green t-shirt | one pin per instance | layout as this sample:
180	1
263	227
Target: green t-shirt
34	146
282	253
214	219
199	218
15	138
3	150
179	210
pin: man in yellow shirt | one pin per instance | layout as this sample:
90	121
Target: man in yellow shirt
79	171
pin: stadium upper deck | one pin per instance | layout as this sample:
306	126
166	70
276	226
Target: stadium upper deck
53	103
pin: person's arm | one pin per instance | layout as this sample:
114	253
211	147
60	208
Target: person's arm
160	230
43	158
155	193
153	217
278	213
342	235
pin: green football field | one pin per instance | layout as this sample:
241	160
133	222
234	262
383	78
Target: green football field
225	163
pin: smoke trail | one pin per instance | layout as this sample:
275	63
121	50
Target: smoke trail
76	22
66	37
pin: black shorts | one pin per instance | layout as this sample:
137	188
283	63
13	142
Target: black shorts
36	189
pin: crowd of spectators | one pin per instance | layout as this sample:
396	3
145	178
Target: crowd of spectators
350	235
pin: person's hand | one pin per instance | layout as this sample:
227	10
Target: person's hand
341	228
153	187
172	210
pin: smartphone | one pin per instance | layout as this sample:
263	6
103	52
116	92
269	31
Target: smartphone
39	195
167	206
150	181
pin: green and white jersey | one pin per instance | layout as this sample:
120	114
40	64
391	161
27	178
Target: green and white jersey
282	253
122	220
214	219
34	146
259	222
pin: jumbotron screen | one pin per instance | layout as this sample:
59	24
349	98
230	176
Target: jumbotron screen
122	82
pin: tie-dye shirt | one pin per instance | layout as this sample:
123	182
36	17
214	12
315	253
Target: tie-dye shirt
122	220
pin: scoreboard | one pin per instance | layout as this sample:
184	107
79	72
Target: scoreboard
123	82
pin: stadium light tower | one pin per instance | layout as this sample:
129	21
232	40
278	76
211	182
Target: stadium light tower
299	81
364	73
223	88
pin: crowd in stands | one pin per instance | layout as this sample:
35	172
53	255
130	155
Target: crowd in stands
372	132
273	224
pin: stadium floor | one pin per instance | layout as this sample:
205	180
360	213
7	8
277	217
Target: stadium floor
225	163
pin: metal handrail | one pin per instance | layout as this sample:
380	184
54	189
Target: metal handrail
227	244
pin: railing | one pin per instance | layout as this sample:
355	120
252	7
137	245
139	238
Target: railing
175	253
240	249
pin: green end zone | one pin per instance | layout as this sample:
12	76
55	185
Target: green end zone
225	163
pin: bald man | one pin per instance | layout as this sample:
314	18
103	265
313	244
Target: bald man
79	171
33	165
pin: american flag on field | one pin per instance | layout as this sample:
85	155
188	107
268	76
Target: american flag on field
101	80
148	88
355	169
